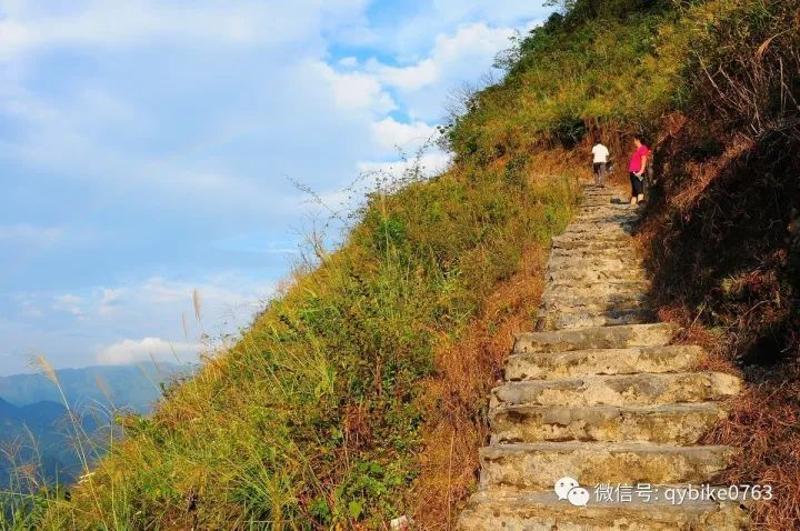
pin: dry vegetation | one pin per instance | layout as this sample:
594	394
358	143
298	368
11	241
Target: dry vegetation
722	235
467	367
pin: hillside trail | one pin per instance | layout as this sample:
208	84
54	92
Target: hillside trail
599	395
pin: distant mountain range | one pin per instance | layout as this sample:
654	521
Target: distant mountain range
35	433
134	387
34	424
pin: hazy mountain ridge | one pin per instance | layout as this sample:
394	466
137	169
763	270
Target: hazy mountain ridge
35	427
134	387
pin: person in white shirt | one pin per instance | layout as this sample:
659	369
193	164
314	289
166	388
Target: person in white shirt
600	162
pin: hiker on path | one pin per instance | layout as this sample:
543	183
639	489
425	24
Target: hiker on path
599	162
637	169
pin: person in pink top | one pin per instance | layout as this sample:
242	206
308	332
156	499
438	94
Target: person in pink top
637	167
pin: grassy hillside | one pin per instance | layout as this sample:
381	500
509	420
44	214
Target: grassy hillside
348	401
314	418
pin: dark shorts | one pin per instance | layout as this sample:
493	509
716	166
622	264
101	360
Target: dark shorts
637	184
599	169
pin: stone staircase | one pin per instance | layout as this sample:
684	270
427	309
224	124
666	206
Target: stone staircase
598	394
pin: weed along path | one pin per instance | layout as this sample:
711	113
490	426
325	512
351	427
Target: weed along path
598	422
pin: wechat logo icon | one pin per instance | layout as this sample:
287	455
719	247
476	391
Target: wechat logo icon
569	489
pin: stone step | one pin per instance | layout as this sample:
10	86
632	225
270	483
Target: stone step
605	205
592	189
587	242
605	202
629	336
618	390
511	510
581	238
597	199
599	227
614	252
582	298
567	303
607	215
585	276
621	288
599	194
591	302
669	423
595	263
540	465
579	363
577	319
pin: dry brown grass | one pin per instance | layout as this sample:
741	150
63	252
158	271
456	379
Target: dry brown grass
468	366
764	425
466	371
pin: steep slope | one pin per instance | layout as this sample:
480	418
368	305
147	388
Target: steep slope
314	418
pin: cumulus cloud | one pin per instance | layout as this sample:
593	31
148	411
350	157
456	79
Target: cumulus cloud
430	164
391	134
127	322
455	58
130	351
414	77
357	91
411	38
228	301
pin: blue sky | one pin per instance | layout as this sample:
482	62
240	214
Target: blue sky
146	149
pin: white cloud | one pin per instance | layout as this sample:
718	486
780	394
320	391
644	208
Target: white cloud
226	300
411	38
357	91
110	298
129	22
391	134
455	58
130	351
126	322
425	72
430	163
470	47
